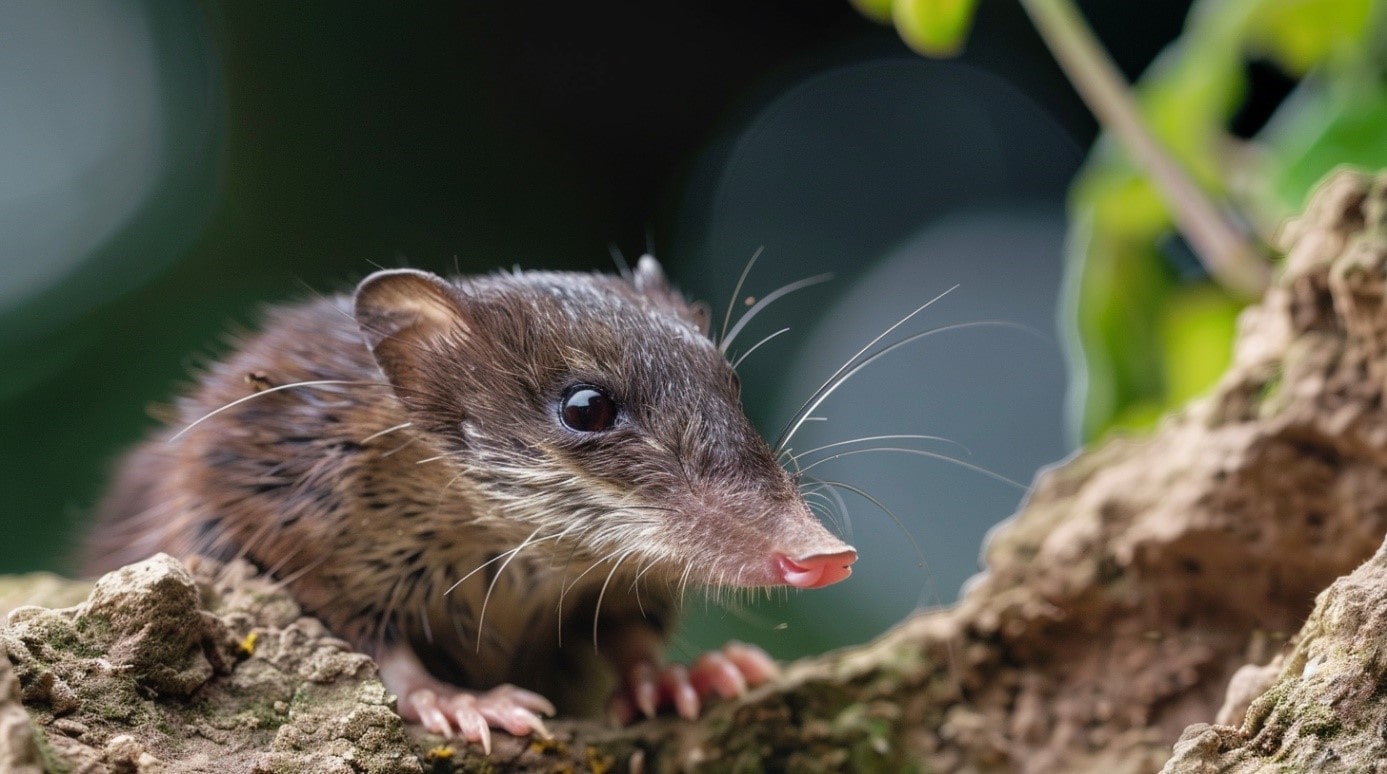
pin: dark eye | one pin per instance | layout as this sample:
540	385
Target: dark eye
587	409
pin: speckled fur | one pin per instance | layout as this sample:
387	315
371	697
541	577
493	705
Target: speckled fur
369	521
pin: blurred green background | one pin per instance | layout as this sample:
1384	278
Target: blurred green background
167	168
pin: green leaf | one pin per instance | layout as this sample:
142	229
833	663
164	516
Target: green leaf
1196	335
1300	34
1326	126
1117	283
934	28
878	11
1150	339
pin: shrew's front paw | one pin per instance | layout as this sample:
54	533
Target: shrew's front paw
648	688
453	711
472	714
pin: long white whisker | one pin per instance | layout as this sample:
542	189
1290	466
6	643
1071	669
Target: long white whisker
804	409
864	439
495	559
564	590
764	302
874	501
828	389
635	586
374	436
922	453
831	495
684	579
481	618
737	291
267	391
400	448
597	613
756	346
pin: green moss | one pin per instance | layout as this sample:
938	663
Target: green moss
1263	706
265	715
1319	721
61	635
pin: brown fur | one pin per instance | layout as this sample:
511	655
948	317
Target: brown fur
369	523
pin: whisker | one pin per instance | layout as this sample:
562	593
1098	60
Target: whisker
563	591
683	584
897	437
838	381
399	448
622	266
481	617
267	391
921	453
736	292
597	613
864	494
830	494
756	346
635	585
498	558
374	436
766	301
805	409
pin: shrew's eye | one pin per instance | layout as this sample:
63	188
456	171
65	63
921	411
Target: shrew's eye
587	409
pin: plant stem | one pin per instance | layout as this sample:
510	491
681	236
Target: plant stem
1227	254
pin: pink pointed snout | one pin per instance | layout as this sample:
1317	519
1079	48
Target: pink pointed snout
816	570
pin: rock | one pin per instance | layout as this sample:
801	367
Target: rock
1117	605
159	670
19	751
1325	712
1142	574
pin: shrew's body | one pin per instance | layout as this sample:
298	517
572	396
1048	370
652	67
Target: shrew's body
477	481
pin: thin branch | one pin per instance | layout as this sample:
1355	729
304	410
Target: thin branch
1228	255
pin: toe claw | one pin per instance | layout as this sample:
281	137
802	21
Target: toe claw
755	664
716	671
472	715
648	688
529	700
677	686
472	726
535	725
644	690
425	705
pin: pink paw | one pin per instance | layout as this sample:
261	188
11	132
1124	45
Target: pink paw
472	714
647	688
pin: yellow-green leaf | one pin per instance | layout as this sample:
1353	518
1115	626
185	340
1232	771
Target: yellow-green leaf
934	27
1197	327
1300	34
877	10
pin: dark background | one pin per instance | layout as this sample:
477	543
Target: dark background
166	168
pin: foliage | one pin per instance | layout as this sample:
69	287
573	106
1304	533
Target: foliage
1149	329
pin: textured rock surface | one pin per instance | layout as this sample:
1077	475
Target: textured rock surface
157	671
1142	575
1137	580
1325	711
19	749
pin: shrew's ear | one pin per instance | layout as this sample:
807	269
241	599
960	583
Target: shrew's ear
404	316
649	279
